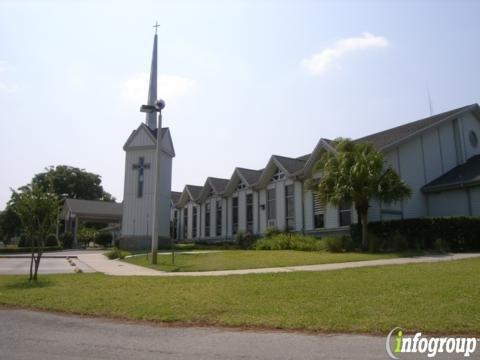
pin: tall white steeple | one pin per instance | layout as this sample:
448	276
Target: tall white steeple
151	119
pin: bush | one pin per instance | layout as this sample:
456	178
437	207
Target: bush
245	240
24	242
66	240
458	233
290	241
116	254
272	231
441	245
103	238
51	240
338	243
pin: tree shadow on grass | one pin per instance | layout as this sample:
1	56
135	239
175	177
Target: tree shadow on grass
25	284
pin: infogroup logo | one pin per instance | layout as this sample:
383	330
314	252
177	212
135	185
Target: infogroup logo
431	346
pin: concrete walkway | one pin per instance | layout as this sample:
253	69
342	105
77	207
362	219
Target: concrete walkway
118	268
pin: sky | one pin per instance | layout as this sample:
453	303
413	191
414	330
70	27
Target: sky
242	80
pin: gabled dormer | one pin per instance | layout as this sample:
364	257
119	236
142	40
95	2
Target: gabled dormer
213	187
242	179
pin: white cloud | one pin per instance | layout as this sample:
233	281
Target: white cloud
330	57
135	89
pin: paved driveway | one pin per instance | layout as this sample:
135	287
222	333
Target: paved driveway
51	263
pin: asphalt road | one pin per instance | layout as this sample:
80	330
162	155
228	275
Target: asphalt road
34	335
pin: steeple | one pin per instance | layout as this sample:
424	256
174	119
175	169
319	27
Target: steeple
151	119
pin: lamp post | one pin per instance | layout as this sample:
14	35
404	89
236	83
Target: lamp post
156	108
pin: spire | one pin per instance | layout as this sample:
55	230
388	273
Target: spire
151	120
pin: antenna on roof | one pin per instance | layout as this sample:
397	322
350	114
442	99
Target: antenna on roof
429	100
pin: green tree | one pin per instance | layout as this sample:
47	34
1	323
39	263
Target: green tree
72	182
357	173
64	181
10	224
37	210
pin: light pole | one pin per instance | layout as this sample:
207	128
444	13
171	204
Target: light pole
157	107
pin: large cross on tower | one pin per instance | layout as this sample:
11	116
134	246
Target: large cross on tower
140	167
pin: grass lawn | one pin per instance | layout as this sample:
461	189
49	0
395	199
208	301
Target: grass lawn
253	259
433	298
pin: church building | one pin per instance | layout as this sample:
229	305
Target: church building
439	158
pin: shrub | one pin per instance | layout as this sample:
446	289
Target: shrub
51	240
441	245
103	238
458	233
66	240
24	242
375	244
338	243
333	243
290	241
116	253
399	241
271	231
245	240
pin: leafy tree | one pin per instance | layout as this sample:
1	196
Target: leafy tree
356	173
72	182
37	210
64	181
9	223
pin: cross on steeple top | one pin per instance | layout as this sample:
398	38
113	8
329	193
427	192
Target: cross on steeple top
156	26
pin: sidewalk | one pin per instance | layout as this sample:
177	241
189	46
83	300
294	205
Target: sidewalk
118	268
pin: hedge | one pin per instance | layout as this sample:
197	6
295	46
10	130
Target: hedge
27	250
457	234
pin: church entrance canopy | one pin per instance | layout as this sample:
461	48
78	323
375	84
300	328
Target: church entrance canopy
75	211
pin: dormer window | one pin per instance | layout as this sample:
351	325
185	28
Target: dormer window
211	193
279	175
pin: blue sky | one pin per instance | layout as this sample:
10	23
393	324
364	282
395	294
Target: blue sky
242	80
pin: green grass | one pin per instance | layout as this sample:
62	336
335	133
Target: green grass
252	259
433	298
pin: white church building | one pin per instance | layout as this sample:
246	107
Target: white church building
439	157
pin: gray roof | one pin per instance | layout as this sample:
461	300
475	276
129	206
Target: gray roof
388	137
175	196
93	208
304	157
194	190
155	131
250	175
218	184
290	164
464	175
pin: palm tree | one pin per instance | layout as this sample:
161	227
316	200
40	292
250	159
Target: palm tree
356	173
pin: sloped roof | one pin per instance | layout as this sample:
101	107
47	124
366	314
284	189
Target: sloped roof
290	164
464	175
93	208
175	196
388	137
304	157
194	190
155	132
251	176
218	184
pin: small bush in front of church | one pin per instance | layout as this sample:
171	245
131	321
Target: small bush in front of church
103	238
245	240
116	253
66	240
51	240
290	241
